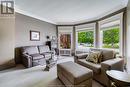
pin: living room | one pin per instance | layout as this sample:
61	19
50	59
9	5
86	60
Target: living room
64	43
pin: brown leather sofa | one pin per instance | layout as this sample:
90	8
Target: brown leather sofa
109	62
35	55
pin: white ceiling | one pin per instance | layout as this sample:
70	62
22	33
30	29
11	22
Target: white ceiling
68	11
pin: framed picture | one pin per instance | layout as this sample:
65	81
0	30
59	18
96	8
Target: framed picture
65	41
34	35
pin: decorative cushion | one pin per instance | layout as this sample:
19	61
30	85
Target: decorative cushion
100	57
94	56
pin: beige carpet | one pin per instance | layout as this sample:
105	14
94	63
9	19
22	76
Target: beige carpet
33	77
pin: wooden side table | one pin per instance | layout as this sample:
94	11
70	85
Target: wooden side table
121	79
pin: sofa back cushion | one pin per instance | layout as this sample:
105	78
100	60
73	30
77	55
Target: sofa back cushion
43	49
108	54
95	49
30	50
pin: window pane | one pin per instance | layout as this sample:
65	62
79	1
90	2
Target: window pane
111	38
85	39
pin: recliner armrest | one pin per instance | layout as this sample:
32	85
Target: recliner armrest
115	64
27	56
80	56
27	60
50	52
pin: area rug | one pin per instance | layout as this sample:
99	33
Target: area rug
33	77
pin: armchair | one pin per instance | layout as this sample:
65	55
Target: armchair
109	62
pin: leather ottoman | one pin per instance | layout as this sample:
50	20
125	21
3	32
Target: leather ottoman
74	75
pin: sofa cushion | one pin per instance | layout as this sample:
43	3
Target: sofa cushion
47	55
37	56
94	56
98	50
74	72
30	50
43	49
95	67
108	54
39	62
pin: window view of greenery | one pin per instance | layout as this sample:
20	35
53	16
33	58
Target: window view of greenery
86	39
111	38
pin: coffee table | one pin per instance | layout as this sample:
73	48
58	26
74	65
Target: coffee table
120	79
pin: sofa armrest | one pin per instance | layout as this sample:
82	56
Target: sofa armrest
115	64
27	60
51	52
80	56
27	56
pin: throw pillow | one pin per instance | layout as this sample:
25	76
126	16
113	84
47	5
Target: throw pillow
94	56
100	55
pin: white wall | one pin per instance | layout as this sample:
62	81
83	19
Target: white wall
23	26
128	36
7	41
